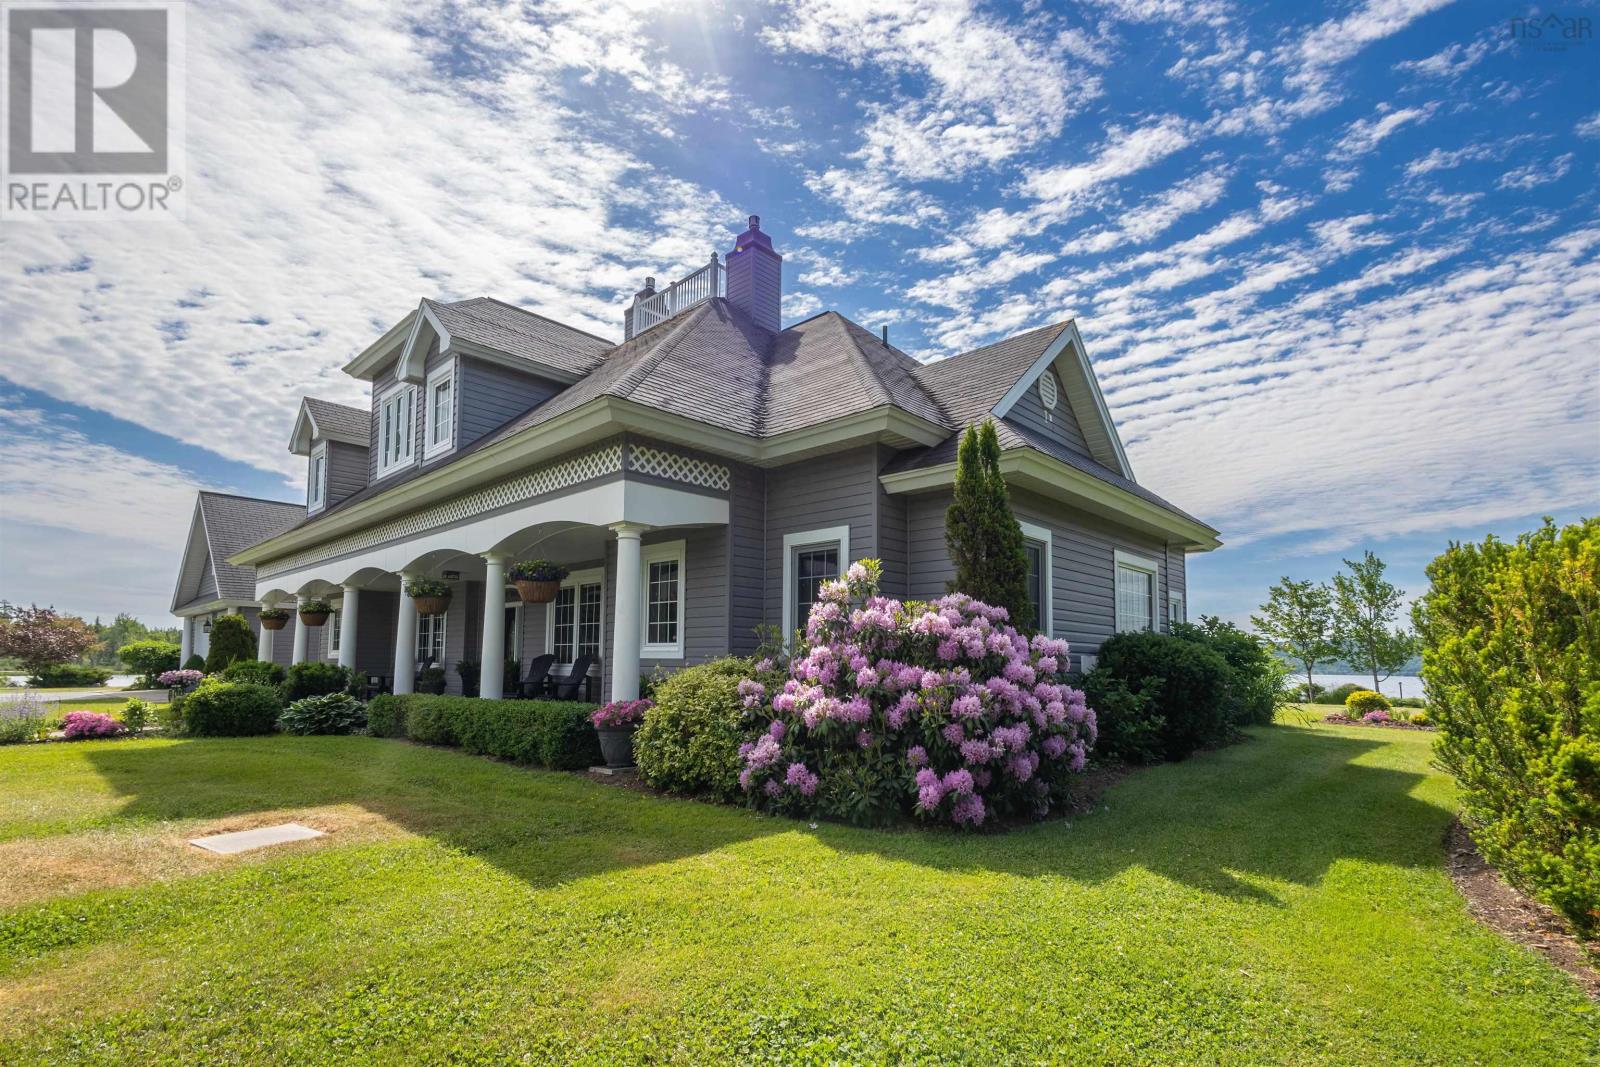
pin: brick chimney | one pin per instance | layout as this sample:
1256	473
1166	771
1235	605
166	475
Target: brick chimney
755	277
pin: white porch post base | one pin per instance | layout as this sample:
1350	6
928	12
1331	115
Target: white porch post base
185	639
263	639
349	611
491	675
625	635
302	636
405	642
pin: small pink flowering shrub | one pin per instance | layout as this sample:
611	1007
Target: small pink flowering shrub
185	679
78	725
620	714
1377	717
940	711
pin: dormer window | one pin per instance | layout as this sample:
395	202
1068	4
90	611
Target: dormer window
441	410
317	478
397	429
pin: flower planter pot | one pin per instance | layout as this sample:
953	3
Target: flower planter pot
274	624
616	745
313	618
537	592
431	605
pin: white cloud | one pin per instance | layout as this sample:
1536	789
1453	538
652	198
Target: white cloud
1313	59
1448	63
1363	135
81	519
1534	174
1590	127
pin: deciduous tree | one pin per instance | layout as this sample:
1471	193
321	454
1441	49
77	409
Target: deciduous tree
1297	620
42	637
1365	607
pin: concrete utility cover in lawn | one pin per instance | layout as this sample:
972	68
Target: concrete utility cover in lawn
245	840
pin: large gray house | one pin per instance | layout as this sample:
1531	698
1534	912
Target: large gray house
699	479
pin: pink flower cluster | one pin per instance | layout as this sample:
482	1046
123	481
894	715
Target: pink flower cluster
78	725
180	679
620	714
942	708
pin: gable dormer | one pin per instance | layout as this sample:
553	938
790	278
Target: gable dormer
334	438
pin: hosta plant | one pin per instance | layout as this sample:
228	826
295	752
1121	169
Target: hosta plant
940	711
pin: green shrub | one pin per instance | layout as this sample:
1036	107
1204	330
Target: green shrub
1186	683
195	662
135	715
1408	702
331	713
254	671
1256	675
1420	717
231	709
169	716
1130	728
554	733
1362	701
231	640
314	678
1511	658
689	742
386	715
148	659
60	675
25	719
1338	694
431	680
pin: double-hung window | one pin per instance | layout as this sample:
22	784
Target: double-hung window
1036	545
662	572
810	559
397	429
430	640
1175	609
334	618
441	410
317	478
1136	579
574	622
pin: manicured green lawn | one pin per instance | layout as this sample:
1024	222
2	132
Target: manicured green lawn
1282	901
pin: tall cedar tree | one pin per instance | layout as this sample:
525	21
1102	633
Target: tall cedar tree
1365	604
1297	620
982	535
231	639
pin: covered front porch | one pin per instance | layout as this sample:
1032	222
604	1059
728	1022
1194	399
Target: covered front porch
647	586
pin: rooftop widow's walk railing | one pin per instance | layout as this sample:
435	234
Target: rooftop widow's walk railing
704	284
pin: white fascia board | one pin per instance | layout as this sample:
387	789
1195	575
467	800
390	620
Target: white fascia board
1066	353
413	359
365	365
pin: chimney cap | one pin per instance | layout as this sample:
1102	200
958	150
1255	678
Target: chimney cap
755	222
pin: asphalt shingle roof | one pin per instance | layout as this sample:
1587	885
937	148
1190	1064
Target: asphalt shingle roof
507	328
341	419
968	386
234	523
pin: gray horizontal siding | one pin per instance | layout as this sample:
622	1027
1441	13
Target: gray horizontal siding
821	493
207	589
747	558
1082	562
347	470
1058	425
489	396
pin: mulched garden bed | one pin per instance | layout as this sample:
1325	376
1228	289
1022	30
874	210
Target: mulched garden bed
1514	915
1339	719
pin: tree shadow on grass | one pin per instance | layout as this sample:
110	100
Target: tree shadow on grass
1285	806
543	828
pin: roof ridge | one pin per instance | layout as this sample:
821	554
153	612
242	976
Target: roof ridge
863	366
252	499
902	358
1055	326
334	404
542	318
630	379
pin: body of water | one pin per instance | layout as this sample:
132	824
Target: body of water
1399	685
117	681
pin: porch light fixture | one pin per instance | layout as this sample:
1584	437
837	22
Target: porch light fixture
205	627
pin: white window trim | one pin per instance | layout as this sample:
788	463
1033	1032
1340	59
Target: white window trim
1046	576
808	539
515	630
593	576
1137	563
410	459
444	636
335	633
444	372
1176	609
317	488
664	552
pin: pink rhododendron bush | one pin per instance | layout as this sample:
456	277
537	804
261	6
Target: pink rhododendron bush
939	711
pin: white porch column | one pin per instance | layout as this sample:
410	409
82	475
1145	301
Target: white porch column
625	629
185	639
263	639
349	611
405	641
302	635
491	675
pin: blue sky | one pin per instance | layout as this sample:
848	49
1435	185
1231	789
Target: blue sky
1336	264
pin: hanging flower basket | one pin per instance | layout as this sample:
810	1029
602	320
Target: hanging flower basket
274	618
431	596
315	612
537	580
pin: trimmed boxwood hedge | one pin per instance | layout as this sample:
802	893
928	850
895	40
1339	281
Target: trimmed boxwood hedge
552	733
